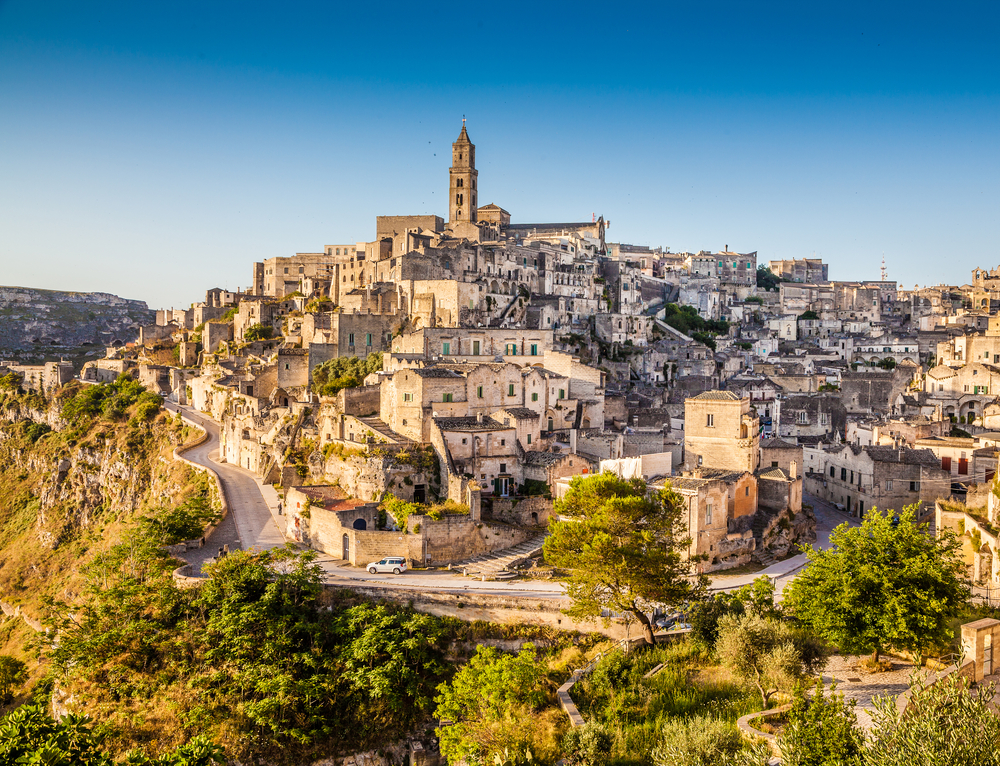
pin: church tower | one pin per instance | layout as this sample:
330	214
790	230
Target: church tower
463	174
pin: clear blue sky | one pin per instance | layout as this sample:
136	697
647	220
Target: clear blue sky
156	149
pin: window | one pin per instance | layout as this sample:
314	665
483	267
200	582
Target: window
824	418
832	469
287	366
710	420
510	389
802	416
465	441
914	486
534	349
475	348
460	183
746	491
534	397
774	464
447	398
529	438
479	392
503	442
350	339
368	339
503	468
888	484
843	474
562	393
708	513
407	397
446	348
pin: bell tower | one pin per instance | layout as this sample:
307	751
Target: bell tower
462	190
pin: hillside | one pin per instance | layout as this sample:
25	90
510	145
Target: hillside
42	325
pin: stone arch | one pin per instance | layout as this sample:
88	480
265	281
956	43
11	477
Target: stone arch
494	287
360	524
585	423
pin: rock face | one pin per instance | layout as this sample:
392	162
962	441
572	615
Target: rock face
45	322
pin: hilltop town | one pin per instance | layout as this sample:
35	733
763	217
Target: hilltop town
475	365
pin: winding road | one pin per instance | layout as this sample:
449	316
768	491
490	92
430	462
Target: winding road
253	523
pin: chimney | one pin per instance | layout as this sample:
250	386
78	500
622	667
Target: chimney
793	470
479	417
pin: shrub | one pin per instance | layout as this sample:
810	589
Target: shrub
821	730
257	332
703	741
587	745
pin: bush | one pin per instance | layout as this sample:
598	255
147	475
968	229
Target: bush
821	730
334	375
587	745
257	332
703	741
12	674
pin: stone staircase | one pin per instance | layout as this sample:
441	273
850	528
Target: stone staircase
495	565
760	522
381	428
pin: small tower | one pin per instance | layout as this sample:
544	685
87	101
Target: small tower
885	273
462	184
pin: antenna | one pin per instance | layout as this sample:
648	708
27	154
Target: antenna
884	273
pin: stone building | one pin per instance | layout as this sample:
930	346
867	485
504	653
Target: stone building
721	431
861	478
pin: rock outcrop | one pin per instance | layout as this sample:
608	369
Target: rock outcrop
35	323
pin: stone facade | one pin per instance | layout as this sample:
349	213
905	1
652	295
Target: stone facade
721	431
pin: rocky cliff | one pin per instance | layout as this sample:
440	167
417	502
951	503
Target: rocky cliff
35	324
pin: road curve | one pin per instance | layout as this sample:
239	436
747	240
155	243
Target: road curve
250	523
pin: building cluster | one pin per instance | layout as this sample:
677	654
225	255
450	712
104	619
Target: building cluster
500	359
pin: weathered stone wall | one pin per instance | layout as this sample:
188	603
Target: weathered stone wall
524	511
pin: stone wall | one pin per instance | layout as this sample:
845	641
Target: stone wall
524	511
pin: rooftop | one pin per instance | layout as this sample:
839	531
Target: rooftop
470	424
719	396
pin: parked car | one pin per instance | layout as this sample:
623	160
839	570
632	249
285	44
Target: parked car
389	564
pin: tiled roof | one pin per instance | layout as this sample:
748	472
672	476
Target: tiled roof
470	424
433	372
776	443
904	455
686	482
720	396
521	413
724	474
774	473
544	458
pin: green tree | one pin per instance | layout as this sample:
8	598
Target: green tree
766	653
12	674
767	279
821	731
755	598
883	584
945	724
625	548
334	375
488	706
257	332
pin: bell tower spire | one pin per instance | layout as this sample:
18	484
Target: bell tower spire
462	192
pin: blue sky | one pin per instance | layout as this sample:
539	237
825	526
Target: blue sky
157	149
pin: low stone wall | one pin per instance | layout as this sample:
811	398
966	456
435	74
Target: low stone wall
743	724
531	511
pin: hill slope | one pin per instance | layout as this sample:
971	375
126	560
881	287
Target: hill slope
43	324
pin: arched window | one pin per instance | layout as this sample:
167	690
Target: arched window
460	183
458	199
